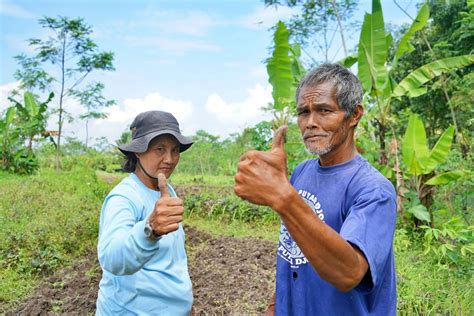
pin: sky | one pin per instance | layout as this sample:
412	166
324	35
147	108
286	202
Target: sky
200	60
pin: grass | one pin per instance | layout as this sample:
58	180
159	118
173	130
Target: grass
175	179
50	219
216	227
426	288
179	178
46	220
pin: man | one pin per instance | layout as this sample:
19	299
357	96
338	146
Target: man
335	253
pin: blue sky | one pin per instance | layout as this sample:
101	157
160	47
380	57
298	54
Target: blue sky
200	60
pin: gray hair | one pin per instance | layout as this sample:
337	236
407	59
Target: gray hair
348	88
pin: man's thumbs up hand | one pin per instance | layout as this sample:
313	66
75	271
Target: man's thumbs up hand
262	177
278	142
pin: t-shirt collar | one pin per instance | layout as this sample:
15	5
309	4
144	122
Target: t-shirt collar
340	167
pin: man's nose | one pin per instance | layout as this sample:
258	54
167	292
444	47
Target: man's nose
312	121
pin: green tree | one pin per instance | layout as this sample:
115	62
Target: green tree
284	73
449	33
375	68
9	136
72	53
420	164
94	101
31	117
317	24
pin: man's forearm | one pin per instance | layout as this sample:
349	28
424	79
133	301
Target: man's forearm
333	258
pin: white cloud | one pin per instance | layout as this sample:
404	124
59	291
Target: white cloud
120	117
218	116
266	17
14	10
152	101
231	117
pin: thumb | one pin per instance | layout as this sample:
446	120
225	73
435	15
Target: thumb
279	138
162	185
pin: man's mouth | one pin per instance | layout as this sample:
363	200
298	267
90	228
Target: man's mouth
314	137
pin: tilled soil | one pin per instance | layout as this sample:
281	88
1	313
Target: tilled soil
230	276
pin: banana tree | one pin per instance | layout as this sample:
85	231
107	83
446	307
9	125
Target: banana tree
375	70
32	117
420	164
8	138
284	71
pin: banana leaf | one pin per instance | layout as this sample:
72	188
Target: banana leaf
372	54
30	104
441	149
279	69
348	61
420	21
415	151
447	177
411	84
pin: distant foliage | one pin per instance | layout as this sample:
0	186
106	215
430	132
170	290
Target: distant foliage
23	124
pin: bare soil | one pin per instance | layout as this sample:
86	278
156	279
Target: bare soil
229	275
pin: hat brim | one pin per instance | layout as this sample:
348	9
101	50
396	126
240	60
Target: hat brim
140	145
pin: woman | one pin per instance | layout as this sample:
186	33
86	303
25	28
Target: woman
141	238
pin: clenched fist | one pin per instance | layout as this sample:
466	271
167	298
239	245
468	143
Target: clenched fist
262	177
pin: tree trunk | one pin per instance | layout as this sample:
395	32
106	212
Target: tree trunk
87	133
425	195
341	29
383	160
30	143
61	96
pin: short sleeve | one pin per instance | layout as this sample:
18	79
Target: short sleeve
370	225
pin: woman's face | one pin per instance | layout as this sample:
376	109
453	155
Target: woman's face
162	155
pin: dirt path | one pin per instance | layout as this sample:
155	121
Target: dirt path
230	276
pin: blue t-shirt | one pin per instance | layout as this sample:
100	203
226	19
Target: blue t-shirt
140	277
360	204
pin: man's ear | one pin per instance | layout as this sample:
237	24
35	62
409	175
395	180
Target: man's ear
357	115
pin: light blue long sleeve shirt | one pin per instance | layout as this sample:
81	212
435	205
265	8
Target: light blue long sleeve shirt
140	276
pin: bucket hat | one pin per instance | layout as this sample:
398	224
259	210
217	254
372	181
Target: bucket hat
150	124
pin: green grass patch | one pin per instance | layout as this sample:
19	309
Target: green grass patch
216	227
180	178
46	220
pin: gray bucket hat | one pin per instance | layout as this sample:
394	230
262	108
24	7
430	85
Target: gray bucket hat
148	125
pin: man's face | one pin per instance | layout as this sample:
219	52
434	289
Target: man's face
321	121
162	155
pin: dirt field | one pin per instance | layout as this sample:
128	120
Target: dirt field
230	276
